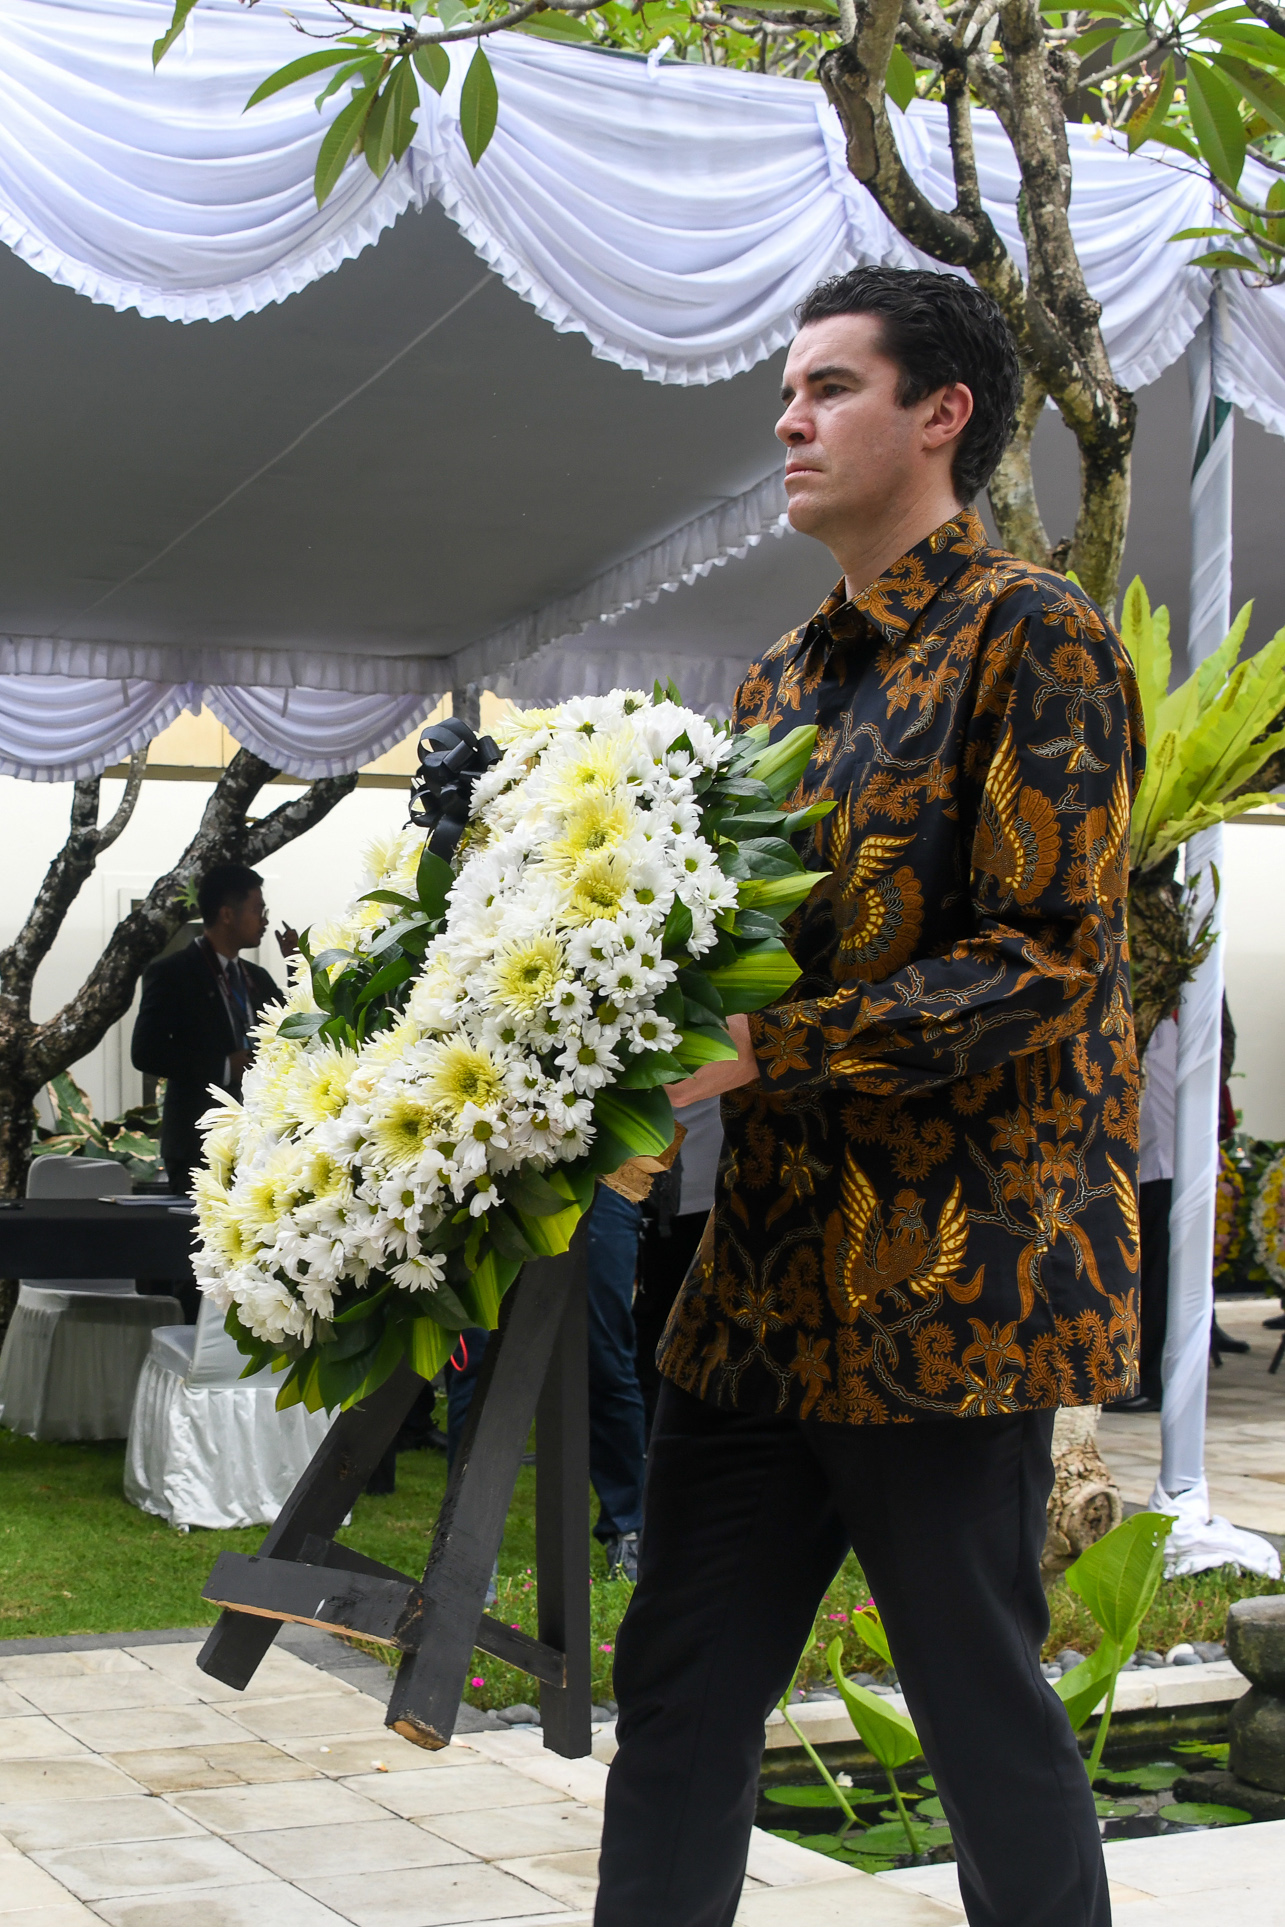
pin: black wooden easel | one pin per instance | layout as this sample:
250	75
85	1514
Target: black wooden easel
536	1367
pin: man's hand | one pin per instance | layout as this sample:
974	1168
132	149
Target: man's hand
287	940
711	1080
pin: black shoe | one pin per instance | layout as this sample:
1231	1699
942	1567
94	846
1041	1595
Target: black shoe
1140	1402
622	1557
1276	1324
1222	1343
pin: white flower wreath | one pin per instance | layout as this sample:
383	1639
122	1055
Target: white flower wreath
468	1049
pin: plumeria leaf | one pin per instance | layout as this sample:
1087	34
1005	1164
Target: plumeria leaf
434	63
479	106
182	8
302	69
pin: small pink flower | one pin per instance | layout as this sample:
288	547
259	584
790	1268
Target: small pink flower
605	1647
479	1682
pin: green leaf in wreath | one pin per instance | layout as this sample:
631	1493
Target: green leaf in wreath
429	1346
301	1023
781	764
648	1068
642	1120
433	880
678	928
759	977
510	1239
700	1044
782	894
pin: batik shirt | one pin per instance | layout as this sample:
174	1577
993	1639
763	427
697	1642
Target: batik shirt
927	1204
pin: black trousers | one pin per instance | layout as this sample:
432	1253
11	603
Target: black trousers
747	1520
664	1259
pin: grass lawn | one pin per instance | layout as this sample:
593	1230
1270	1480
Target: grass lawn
75	1558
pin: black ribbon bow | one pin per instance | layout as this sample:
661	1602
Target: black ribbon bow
451	758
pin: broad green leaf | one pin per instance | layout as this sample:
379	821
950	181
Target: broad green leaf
868	1626
1263	93
492	1278
778	893
532	1194
1117	1576
340	138
899	80
699	1046
888	1734
1152	111
404	107
1215	120
758	977
479	106
378	132
434	63
1085	1686
781	764
299	70
549	1236
648	1068
509	1235
1226	258
430	1346
644	1120
301	1023
1171	136
1204	1813
178	21
557	26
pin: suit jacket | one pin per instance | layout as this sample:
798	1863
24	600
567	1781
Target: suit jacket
184	1034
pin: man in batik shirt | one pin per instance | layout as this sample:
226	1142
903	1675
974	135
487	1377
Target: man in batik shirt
925	1237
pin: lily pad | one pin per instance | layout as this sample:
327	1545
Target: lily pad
1204	1813
867	1862
1112	1809
1157	1777
1215	1750
803	1796
929	1782
891	1838
930	1810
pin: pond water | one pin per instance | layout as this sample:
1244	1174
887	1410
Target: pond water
1134	1796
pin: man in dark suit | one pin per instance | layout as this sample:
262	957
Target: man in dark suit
198	1009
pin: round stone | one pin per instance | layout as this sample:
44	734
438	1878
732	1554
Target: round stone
1256	1729
1256	1640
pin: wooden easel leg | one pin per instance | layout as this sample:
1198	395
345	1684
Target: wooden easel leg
318	1506
561	1528
426	1693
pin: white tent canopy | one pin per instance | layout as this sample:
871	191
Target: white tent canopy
399	480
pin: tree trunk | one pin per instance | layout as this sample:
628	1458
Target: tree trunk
1085	1502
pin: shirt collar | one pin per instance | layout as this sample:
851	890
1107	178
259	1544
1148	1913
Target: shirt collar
893	604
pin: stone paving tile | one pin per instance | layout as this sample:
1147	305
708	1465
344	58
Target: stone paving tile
147	1866
303	1803
85	1778
15	1667
148	1728
432	1897
569	1877
838	1902
341	1754
26	1888
33	1737
368	1846
13	1703
270	1905
279	1675
106	1693
91	1822
417	1794
181	1769
341	1710
514	1832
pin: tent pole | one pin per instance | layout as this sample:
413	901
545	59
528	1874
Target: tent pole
1197	1542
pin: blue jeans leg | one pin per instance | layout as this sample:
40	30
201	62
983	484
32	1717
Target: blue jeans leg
617	1420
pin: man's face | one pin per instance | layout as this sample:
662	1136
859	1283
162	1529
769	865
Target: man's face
852	449
247	921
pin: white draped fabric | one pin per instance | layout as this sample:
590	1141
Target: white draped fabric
673	214
56	729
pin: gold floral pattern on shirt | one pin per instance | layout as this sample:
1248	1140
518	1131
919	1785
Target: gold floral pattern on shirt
927	1205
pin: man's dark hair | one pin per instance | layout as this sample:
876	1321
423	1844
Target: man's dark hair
938	329
225	883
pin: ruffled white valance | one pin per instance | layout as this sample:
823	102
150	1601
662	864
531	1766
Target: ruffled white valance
673	214
56	729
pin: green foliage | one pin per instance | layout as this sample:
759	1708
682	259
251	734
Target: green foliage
1206	739
1204	1813
132	1139
1117	1579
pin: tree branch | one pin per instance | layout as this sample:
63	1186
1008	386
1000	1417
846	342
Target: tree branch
1271	16
63	882
222	837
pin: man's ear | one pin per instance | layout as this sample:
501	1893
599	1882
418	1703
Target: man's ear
952	411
